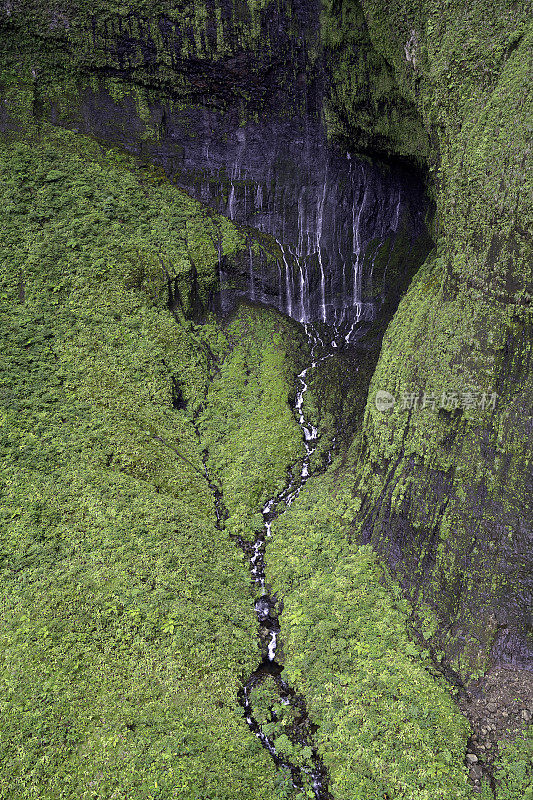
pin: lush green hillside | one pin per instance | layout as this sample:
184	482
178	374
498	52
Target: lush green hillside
445	492
128	620
128	623
127	615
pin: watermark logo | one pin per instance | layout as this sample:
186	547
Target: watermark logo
384	400
446	400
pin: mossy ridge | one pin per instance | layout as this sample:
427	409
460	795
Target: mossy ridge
194	54
365	108
437	462
444	495
128	617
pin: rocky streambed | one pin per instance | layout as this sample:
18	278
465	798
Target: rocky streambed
275	713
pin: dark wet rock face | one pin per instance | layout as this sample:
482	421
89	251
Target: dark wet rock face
231	105
330	212
336	218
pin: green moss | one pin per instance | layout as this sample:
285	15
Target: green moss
365	107
387	726
129	617
464	325
90	248
142	55
514	772
248	426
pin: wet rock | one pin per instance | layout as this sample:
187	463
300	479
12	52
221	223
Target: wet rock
274	171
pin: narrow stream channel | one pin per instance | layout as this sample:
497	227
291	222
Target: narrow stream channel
313	774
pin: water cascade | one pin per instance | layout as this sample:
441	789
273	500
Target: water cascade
326	208
247	137
313	776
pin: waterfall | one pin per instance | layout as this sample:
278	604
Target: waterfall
357	273
398	207
302	292
300	247
258	202
231	201
252	276
288	281
307	295
320	214
236	173
324	209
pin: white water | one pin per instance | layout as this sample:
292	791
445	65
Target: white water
266	604
310	440
252	276
301	317
320	275
303	294
272	645
398	208
297	299
358	266
259	198
236	173
320	215
231	201
324	206
288	280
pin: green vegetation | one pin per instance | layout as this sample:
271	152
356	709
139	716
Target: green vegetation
248	426
127	618
129	615
444	493
365	107
514	768
388	726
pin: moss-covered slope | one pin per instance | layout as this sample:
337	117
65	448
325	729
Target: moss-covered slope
445	491
127	618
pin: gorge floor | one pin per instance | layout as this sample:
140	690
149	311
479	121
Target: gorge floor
268	609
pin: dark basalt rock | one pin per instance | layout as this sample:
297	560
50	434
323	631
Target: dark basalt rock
334	216
232	109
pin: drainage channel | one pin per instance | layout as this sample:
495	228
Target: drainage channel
311	773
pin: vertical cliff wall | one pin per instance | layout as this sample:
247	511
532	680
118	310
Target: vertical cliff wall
235	100
445	486
229	99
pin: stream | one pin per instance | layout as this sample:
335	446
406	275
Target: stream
312	775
